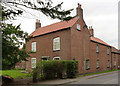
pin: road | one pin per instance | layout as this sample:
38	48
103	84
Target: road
104	79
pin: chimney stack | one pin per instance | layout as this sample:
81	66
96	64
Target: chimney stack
38	24
91	31
79	11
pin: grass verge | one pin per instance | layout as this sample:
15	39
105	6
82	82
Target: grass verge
97	73
16	74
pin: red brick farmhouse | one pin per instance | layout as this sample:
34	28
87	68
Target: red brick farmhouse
71	40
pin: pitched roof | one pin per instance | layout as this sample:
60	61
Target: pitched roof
54	27
114	50
98	40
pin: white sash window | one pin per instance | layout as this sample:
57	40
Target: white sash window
56	43
33	62
34	46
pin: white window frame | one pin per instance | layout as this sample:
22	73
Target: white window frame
97	63
97	48
34	46
33	63
45	57
78	27
55	58
114	60
114	63
56	43
108	63
108	51
87	64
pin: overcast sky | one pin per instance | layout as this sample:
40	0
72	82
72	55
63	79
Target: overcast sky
101	14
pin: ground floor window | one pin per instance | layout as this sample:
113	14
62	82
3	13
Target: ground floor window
33	62
97	64
108	63
56	58
114	60
87	64
45	57
114	63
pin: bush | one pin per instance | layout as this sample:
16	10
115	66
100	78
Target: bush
55	69
72	69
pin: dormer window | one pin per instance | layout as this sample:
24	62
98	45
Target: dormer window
78	27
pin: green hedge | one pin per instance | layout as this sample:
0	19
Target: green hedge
55	69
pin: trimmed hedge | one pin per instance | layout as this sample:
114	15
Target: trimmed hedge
55	69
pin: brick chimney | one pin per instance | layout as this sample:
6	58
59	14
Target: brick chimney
79	11
91	30
38	24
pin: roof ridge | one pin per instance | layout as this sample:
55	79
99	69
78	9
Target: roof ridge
96	39
56	23
54	27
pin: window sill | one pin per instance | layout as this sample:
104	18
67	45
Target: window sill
97	67
87	68
33	68
79	30
31	52
55	50
97	52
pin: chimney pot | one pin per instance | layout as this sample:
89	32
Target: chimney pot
38	24
79	11
91	30
79	5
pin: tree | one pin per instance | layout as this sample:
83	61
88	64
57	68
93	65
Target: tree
44	6
12	39
13	35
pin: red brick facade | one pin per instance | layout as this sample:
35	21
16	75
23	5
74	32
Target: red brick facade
74	44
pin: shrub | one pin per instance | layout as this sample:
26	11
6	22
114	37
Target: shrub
55	69
72	69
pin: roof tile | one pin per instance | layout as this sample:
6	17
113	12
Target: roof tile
98	40
54	27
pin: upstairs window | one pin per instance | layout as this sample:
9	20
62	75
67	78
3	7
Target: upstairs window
56	44
87	64
56	58
33	62
78	27
107	51
108	63
97	64
97	48
34	46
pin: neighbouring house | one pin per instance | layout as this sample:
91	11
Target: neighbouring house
71	40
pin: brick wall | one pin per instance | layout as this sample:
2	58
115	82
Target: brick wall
44	46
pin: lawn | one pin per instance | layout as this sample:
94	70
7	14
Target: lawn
97	73
16	74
